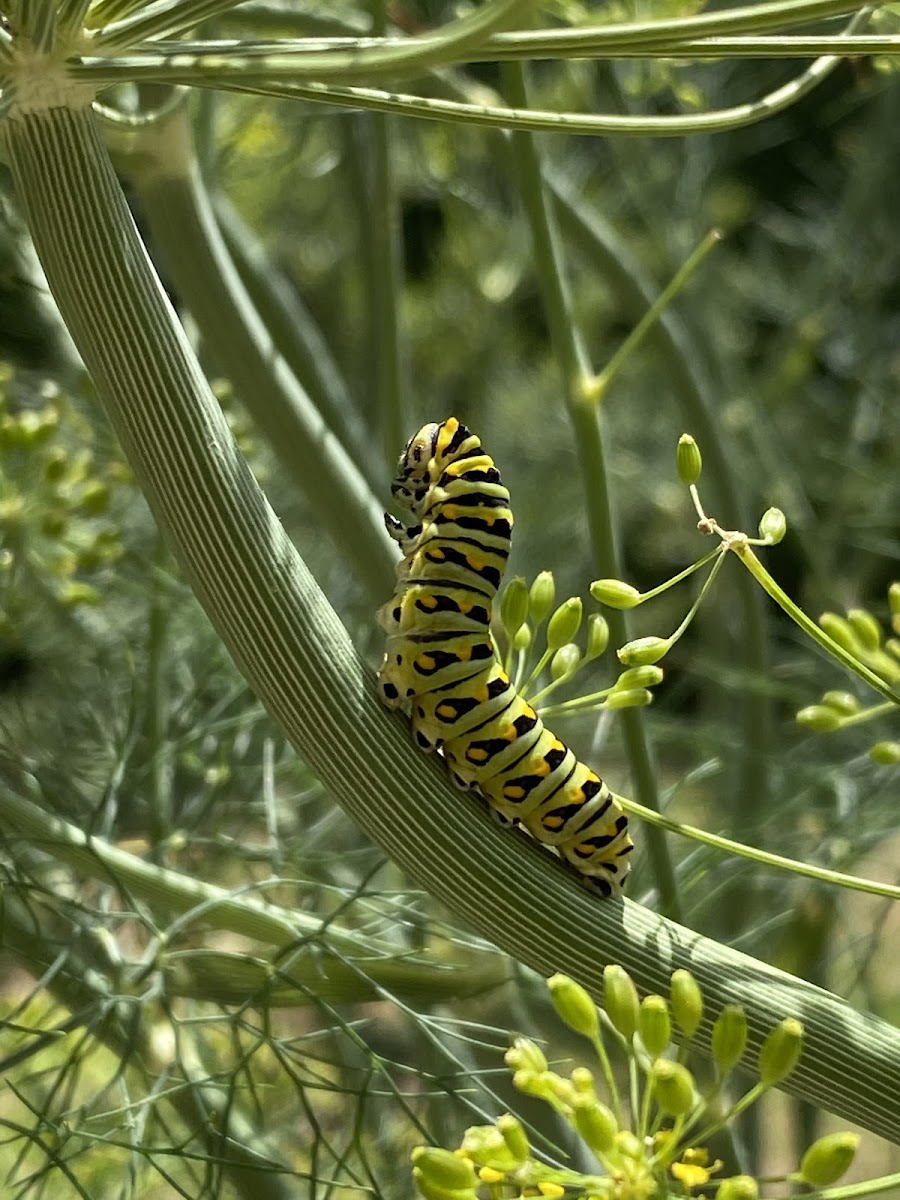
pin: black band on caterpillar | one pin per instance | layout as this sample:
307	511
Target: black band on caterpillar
440	664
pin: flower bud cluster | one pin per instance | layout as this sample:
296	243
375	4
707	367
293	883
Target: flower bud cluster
652	1154
859	634
570	641
57	499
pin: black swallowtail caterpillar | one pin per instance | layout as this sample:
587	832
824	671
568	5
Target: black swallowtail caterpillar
441	665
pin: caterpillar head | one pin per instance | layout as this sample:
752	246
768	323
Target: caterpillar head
412	481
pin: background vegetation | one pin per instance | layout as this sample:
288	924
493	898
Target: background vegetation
384	272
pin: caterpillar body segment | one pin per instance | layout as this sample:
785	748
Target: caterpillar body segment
441	667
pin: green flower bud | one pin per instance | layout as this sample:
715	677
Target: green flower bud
894	605
564	623
525	1055
596	1124
865	627
886	753
561	1089
444	1168
644	650
773	526
819	718
729	1037
435	1191
522	640
565	661
687	460
892	645
94	498
484	1144
12	512
639	677
10	432
514	606
687	1001
844	703
119	472
841	631
597	636
74	593
615	593
738	1187
583	1082
633	698
53	523
35	428
63	565
55	465
655	1025
515	1137
541	596
828	1158
574	1005
620	999
629	1145
673	1087
780	1052
533	1083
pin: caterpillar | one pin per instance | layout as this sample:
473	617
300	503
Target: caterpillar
440	663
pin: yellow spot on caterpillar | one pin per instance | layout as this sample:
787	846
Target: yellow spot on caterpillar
446	711
428	601
445	437
451	512
512	791
425	662
552	821
481	695
542	768
464	606
476	562
464	653
477	754
435	554
509	733
558	745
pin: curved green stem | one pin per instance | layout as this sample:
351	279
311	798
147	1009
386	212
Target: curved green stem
854	883
516	117
411	55
597	388
808	625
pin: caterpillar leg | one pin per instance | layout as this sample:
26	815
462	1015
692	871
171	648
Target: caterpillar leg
388	692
